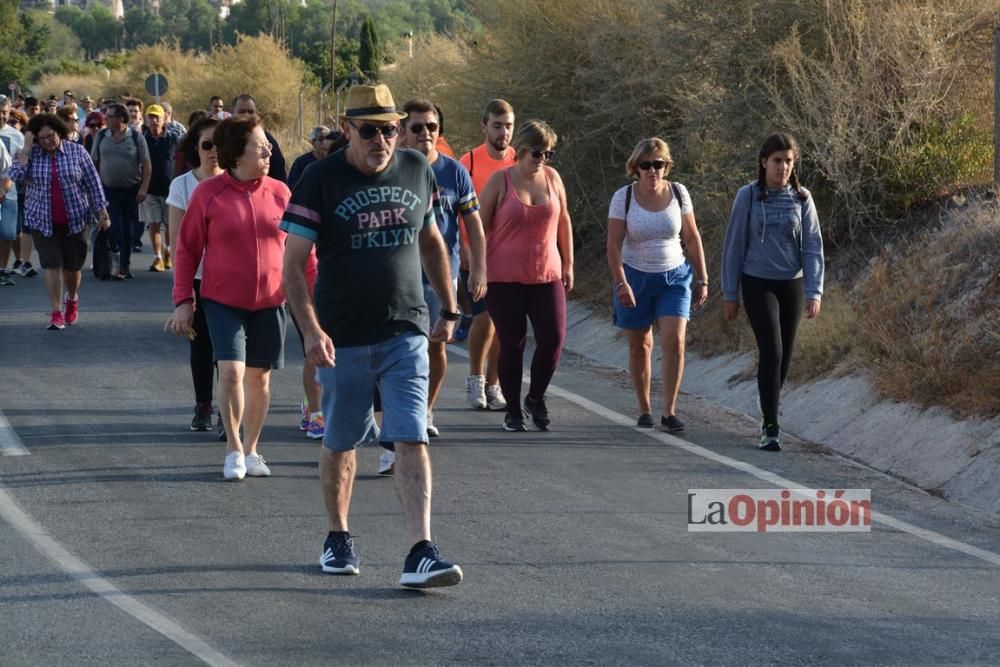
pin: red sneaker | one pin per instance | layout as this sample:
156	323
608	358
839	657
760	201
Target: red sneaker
56	321
72	311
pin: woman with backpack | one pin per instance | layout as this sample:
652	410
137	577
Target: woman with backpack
653	280
773	253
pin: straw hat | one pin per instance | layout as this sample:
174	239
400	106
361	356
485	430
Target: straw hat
371	103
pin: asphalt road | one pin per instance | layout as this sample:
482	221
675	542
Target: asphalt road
120	544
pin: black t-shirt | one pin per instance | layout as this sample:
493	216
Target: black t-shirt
366	231
161	158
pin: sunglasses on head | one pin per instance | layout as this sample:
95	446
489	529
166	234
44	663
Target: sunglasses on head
207	145
652	164
543	155
368	131
417	128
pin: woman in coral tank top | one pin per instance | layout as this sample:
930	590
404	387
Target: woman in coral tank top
529	268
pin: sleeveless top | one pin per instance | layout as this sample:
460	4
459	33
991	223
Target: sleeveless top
521	243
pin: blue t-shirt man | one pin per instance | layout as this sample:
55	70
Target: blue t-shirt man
458	198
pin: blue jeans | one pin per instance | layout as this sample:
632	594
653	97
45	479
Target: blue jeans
124	213
400	368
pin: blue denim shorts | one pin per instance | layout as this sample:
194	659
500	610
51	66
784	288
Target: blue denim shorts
399	367
8	219
665	294
255	337
434	303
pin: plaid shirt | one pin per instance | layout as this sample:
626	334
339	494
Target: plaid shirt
81	187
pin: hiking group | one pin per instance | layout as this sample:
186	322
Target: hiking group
382	248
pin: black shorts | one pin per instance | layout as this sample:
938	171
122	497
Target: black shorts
255	337
478	307
62	250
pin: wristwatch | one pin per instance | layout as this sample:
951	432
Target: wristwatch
450	316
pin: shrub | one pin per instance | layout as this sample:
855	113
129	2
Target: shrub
258	65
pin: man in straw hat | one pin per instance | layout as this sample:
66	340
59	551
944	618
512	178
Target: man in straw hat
371	212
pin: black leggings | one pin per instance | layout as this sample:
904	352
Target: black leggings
202	363
774	308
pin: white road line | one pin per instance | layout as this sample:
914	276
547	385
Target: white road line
39	538
10	444
761	474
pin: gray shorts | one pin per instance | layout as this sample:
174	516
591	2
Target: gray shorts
153	209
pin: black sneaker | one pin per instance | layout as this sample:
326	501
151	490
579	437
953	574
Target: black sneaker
202	417
514	422
221	436
338	554
770	438
535	408
671	424
28	271
424	568
645	420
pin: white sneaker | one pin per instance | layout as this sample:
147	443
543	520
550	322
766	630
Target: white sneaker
432	430
494	398
475	394
386	462
255	466
235	467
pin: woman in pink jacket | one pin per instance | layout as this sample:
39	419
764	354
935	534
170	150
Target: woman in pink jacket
232	222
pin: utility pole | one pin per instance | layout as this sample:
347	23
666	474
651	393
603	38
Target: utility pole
996	110
333	49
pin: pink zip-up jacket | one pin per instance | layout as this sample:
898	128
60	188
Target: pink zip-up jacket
234	225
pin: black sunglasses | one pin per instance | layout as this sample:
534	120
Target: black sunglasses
417	128
368	131
654	164
207	145
540	155
93	126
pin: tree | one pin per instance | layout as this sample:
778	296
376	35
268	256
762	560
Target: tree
16	61
368	53
142	28
97	28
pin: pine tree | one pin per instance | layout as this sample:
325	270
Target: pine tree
369	57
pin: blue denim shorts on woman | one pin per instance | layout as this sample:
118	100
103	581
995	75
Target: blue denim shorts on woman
400	368
665	294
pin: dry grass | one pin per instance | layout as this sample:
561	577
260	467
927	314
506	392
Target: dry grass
930	315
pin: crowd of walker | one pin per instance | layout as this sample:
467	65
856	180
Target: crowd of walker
378	244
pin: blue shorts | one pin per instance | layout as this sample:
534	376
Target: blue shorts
400	369
434	303
477	306
8	219
666	294
255	337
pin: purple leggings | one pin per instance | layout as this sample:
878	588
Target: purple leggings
545	306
